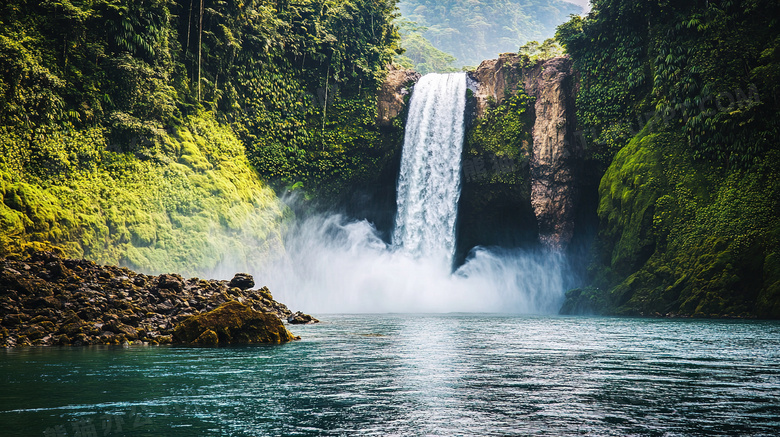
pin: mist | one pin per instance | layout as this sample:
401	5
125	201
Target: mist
337	265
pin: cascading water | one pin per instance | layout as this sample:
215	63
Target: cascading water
429	180
332	264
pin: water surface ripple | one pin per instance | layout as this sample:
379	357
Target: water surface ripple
409	375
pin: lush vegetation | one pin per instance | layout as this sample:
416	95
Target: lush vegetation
134	131
473	31
419	54
195	205
680	101
707	69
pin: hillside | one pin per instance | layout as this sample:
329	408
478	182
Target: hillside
679	105
149	133
473	31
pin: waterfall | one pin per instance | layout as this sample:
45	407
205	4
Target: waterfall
340	265
429	179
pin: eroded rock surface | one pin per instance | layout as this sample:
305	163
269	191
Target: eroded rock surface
555	156
47	300
390	101
300	318
232	323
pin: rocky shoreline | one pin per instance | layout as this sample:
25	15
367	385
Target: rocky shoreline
48	300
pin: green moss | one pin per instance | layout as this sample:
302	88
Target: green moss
207	338
182	212
678	236
232	323
495	207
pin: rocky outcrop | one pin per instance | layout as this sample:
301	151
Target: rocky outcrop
496	79
555	155
243	281
46	300
390	101
301	319
231	323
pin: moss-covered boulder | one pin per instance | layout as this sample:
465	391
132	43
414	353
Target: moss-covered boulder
232	323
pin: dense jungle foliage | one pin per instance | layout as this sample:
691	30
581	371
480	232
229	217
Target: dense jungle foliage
475	30
680	100
140	122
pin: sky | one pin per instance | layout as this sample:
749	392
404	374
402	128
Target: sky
584	3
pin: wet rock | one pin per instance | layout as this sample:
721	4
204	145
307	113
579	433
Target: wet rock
34	332
233	323
11	320
242	281
170	282
300	318
44	302
207	338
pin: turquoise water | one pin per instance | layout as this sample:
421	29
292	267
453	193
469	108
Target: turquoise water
409	375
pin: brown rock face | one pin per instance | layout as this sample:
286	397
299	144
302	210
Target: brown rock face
390	102
495	77
555	159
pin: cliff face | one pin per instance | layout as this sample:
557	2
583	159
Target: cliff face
681	237
554	156
390	101
496	79
554	164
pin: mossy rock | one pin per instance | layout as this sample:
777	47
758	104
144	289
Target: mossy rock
232	323
584	301
208	338
683	237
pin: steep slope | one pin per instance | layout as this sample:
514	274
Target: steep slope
689	198
148	132
520	159
196	205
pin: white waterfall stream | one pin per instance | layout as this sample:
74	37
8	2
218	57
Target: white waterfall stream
429	180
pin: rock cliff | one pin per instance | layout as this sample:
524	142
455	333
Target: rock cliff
554	155
390	101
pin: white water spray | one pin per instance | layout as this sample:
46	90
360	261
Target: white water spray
333	265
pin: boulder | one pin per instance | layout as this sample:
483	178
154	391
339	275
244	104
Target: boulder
233	323
243	281
171	282
301	319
